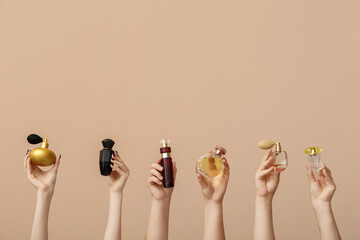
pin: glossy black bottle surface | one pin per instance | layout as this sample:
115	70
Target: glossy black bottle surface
105	157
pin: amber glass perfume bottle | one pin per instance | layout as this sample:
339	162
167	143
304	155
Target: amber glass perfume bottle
166	162
314	159
210	164
41	156
280	157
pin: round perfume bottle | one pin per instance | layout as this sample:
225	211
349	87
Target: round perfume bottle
42	156
210	164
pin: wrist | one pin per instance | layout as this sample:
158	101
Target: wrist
321	206
263	199
165	200
212	203
116	192
45	193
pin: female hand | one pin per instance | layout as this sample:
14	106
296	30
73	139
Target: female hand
214	189
155	182
119	174
40	179
323	189
267	178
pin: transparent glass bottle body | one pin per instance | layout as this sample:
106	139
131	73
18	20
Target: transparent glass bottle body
314	161
210	165
280	159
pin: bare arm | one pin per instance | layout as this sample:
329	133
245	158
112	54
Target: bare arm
322	191
266	180
116	182
158	227
213	191
44	182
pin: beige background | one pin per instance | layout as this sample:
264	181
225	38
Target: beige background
198	72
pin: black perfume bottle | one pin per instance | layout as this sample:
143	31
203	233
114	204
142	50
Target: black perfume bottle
105	157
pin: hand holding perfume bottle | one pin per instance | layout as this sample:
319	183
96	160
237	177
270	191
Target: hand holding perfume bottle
155	181
42	180
267	177
214	188
314	159
280	157
119	174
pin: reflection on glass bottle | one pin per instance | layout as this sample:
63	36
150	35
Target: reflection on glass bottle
211	164
314	159
280	157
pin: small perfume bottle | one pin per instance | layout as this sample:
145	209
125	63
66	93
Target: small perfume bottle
166	162
210	164
280	157
105	157
314	159
41	156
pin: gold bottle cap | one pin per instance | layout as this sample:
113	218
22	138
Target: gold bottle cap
313	150
44	144
220	150
165	142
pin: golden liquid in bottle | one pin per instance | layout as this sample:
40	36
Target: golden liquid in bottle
210	166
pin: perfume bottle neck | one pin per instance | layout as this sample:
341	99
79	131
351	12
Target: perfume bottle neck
218	153
278	147
45	144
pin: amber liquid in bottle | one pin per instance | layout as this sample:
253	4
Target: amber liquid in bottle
210	166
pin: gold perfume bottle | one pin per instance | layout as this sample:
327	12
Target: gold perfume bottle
280	157
210	164
41	156
314	159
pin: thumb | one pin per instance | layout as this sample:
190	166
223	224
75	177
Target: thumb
55	167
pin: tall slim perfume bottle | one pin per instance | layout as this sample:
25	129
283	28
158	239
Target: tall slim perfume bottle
314	159
280	157
105	157
166	163
210	164
41	156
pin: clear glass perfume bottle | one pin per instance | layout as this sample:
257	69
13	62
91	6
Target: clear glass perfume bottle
280	157
210	164
314	159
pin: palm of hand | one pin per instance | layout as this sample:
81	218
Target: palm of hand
215	189
41	179
159	192
116	181
267	186
320	190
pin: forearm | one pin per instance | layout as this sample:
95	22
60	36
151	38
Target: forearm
158	227
213	222
113	228
326	221
40	224
263	227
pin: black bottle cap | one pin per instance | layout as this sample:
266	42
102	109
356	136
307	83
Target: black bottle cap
108	143
34	139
